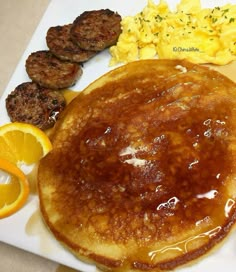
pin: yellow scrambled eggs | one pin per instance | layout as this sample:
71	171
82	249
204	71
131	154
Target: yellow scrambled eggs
200	35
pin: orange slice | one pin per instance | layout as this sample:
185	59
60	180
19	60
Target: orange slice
22	143
14	188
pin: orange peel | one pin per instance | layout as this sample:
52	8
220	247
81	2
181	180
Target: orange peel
8	208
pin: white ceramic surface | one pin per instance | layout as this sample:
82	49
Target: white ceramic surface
25	229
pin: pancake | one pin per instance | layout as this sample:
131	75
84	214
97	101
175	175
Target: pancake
142	172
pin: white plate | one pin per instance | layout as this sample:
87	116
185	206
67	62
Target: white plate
25	228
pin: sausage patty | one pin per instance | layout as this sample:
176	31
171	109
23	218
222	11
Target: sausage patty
60	44
36	105
49	71
96	29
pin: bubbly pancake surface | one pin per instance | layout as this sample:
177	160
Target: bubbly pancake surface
142	171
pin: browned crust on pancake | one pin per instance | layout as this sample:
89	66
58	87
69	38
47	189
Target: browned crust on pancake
122	224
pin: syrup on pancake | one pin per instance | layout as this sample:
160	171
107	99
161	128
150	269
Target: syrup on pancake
142	172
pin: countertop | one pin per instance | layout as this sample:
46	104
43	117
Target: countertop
18	21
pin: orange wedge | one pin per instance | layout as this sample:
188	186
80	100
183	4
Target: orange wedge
22	143
14	188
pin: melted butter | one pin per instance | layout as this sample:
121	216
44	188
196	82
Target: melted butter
154	147
171	158
209	195
158	168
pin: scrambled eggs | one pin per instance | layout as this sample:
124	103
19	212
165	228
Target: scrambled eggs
191	32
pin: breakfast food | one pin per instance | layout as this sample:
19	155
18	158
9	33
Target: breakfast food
30	103
50	72
96	29
200	35
13	194
60	44
20	145
141	176
59	67
23	144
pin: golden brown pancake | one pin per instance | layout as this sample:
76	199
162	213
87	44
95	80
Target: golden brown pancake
142	172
